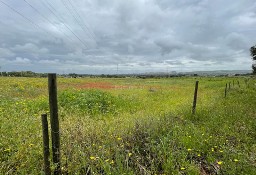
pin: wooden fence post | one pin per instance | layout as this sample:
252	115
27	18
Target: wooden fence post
195	98
226	90
52	85
46	150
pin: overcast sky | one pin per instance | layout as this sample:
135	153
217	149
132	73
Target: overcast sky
126	36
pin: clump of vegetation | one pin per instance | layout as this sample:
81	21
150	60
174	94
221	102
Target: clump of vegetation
95	102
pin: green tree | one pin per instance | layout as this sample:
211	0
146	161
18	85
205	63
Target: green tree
253	54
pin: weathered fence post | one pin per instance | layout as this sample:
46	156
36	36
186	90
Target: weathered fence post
52	85
226	90
46	150
195	98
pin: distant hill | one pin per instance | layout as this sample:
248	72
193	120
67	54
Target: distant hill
220	72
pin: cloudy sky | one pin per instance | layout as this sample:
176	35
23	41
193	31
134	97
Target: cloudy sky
126	36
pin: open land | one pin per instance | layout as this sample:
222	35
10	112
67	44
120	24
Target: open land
132	126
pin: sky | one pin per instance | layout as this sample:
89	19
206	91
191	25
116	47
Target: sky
126	36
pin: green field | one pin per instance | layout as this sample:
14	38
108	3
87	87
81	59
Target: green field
132	126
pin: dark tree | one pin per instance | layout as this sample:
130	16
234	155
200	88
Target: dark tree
253	54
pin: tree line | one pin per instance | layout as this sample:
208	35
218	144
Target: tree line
22	74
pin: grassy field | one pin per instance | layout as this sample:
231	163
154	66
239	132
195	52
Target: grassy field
132	126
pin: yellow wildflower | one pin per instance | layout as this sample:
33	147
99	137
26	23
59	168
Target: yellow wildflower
219	162
189	149
129	154
182	168
236	160
7	150
92	158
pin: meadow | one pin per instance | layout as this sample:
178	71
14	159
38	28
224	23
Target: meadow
132	126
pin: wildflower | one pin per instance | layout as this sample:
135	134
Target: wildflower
129	154
236	160
106	160
182	168
189	136
199	155
119	138
220	151
112	162
30	145
212	149
7	150
219	162
100	147
92	158
189	149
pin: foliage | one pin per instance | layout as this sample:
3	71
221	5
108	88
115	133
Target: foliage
253	54
94	102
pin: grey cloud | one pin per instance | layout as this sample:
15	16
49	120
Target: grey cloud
169	45
6	53
138	33
29	47
236	41
19	60
174	62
